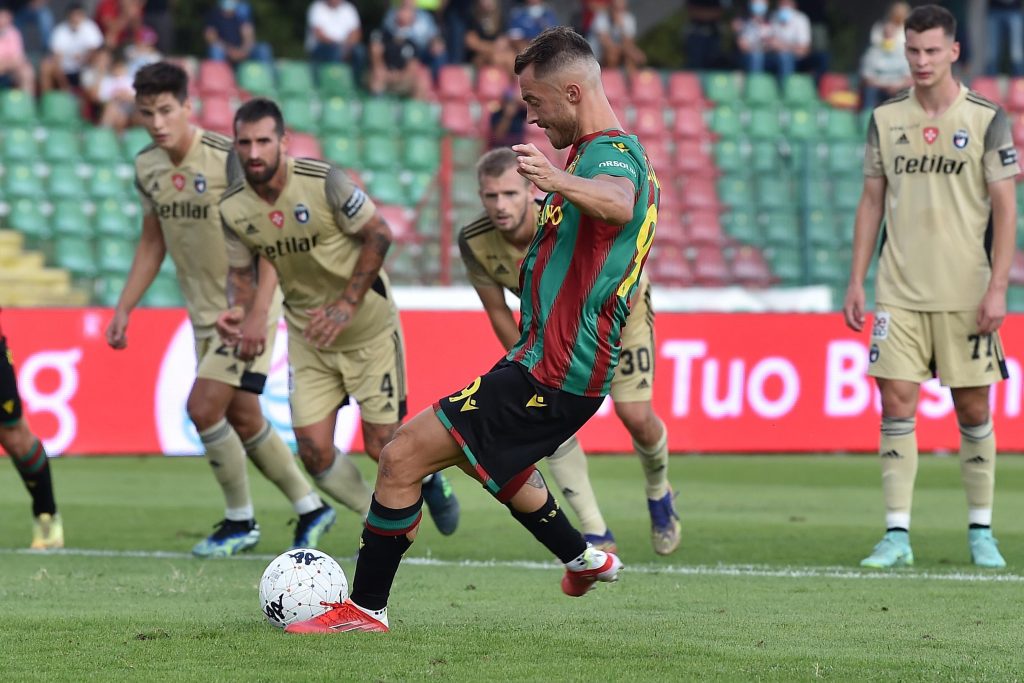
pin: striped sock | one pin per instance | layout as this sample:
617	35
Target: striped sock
34	468
385	539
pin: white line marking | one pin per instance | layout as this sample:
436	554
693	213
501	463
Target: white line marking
672	570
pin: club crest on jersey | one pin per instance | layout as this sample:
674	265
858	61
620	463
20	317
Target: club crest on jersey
277	218
302	213
179	181
931	134
960	139
199	183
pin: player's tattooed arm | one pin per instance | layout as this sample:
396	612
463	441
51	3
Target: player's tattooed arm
241	287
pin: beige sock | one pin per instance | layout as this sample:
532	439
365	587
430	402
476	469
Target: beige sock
654	460
274	459
978	470
569	468
227	458
898	450
343	482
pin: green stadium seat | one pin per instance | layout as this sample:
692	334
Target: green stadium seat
846	193
815	193
428	225
827	267
781	227
846	159
17	108
108	289
761	90
419	184
60	146
76	255
802	124
295	80
764	124
1015	299
65	183
26	216
422	153
380	152
466	151
256	78
464	189
735	191
787	264
807	158
844	225
764	157
19	144
378	116
106	183
842	125
729	156
21	180
69	219
298	115
338	116
110	220
342	150
133	141
114	255
335	79
725	122
387	188
722	87
163	293
741	224
420	117
774	192
60	109
799	91
821	229
101	146
167	267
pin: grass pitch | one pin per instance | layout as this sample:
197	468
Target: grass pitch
765	587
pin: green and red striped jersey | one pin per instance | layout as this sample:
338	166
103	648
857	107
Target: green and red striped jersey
580	272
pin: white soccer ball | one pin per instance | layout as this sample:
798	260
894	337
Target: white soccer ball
296	582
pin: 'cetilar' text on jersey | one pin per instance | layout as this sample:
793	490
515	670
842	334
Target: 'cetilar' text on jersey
308	234
934	256
184	199
580	272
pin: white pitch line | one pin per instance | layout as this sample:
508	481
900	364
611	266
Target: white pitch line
742	570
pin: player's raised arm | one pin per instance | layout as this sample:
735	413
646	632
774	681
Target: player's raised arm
149	254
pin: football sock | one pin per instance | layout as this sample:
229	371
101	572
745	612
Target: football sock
227	458
274	459
343	482
34	468
385	539
898	450
551	527
655	463
569	468
978	470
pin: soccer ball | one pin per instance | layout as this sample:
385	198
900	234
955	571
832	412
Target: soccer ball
296	582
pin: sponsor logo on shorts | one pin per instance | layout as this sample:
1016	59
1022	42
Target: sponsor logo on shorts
9	406
880	328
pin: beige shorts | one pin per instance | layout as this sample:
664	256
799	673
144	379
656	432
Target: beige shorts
218	362
321	382
634	375
918	345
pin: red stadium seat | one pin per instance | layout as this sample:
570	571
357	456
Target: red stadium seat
989	88
750	268
455	83
704	228
615	86
710	268
1018	130
659	153
649	123
216	78
491	84
217	115
1015	96
400	220
668	266
699	193
457	118
690	124
833	83
684	90
692	158
670	233
647	88
304	145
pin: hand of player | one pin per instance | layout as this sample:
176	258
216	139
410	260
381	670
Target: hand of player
536	168
252	335
992	311
327	322
229	325
117	330
853	307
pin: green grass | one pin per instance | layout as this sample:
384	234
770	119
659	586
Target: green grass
765	587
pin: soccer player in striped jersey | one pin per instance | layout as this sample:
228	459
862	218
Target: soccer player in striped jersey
179	179
582	268
939	168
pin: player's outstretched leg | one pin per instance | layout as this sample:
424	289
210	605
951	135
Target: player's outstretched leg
569	468
30	460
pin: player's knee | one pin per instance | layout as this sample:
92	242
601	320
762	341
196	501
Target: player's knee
203	413
16	439
640	421
397	465
375	437
973	413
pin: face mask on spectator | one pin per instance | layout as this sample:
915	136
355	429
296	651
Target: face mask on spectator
758	9
229	5
785	14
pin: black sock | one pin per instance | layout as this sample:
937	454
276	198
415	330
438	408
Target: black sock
898	528
384	542
34	469
550	526
979	526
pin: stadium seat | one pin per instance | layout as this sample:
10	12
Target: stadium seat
464	189
216	78
814	192
842	125
781	227
342	150
295	79
802	124
26	217
114	255
710	269
381	152
647	88
455	83
689	123
108	289
761	90
217	115
19	144
671	232
699	193
338	116
691	159
684	90
649	123
750	268
492	83
335	80
1017	269
378	116
110	220
730	156
669	267
16	108
704	228
722	87
799	91
21	180
76	255
105	183
832	83
399	220
764	124
741	224
298	114
846	193
733	191
457	118
60	109
465	151
421	153
386	188
133	140
419	117
660	154
65	183
615	86
774	192
821	228
764	157
256	78
827	267
60	146
304	145
846	159
989	88
418	184
787	265
725	122
100	145
163	293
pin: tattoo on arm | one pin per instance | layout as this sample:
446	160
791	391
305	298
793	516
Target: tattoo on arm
241	287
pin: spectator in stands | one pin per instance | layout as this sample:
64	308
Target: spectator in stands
334	34
613	37
119	20
143	51
485	40
34	20
456	20
895	17
15	68
71	43
508	120
230	36
116	96
394	64
1005	22
819	56
790	38
158	16
753	34
884	70
418	27
703	36
526	23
